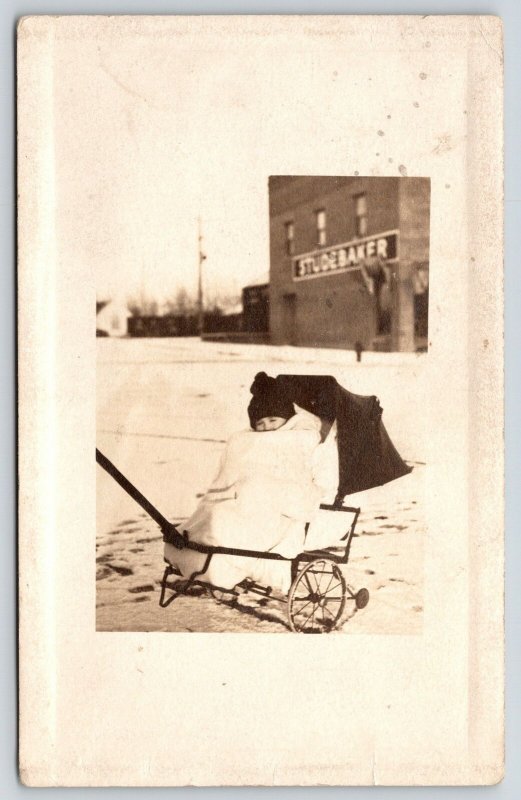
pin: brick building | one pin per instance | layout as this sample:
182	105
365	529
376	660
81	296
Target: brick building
349	261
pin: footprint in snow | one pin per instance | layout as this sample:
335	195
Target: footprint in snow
121	569
145	587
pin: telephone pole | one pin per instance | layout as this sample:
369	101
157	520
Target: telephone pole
143	294
202	257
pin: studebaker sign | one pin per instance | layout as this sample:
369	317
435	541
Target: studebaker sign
344	257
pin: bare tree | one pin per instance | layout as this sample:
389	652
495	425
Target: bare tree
142	307
183	303
222	301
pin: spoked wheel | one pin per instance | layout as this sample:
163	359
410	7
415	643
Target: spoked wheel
317	597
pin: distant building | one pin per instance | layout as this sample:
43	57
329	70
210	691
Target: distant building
112	318
349	262
217	322
155	326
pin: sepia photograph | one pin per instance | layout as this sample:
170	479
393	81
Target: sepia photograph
287	418
238	416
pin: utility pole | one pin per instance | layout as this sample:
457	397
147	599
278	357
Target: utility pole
143	294
202	257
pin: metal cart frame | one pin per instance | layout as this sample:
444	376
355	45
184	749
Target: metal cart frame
318	592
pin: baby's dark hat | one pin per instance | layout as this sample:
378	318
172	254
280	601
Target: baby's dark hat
268	400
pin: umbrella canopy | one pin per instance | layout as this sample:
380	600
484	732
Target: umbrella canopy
366	456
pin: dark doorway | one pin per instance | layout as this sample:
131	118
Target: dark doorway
290	318
421	314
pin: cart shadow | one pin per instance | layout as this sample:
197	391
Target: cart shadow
230	599
266	616
252	611
198	590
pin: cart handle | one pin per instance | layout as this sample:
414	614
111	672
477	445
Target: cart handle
172	535
167	527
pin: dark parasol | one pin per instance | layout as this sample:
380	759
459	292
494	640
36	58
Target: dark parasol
366	455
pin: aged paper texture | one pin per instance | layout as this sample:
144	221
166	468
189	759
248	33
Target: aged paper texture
130	130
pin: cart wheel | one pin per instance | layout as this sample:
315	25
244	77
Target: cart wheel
317	597
362	598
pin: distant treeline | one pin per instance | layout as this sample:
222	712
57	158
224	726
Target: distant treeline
183	325
253	319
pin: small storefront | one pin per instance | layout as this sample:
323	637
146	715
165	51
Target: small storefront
357	284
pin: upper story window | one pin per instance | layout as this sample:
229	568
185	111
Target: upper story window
361	214
290	238
321	227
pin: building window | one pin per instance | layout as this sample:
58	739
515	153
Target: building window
321	227
290	242
361	215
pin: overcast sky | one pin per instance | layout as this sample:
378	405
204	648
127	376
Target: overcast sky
160	124
153	139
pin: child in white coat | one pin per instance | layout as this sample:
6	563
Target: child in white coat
262	497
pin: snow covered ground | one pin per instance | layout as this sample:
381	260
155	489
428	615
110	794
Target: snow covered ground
165	407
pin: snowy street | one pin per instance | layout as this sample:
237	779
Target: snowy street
165	407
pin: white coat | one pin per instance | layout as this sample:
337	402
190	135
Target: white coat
261	499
